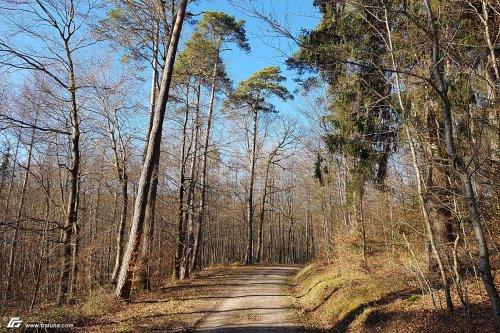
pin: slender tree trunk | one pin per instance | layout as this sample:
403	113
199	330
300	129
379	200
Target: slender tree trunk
146	250
484	17
181	211
154	82
494	83
313	252
125	278
74	171
459	165
362	224
420	189
75	268
19	215
204	176
11	181
147	237
121	226
189	216
41	253
119	157
307	230
428	225
250	211
260	236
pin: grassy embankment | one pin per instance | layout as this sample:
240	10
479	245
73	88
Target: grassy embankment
341	297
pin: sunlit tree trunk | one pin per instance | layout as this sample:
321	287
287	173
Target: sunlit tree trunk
198	235
250	205
180	272
74	171
125	278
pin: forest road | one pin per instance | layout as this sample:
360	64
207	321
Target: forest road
259	301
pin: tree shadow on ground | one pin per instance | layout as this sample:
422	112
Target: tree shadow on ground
431	321
257	329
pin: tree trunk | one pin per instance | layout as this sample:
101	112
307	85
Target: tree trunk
121	226
361	219
260	236
459	165
149	223
428	224
72	204
75	268
181	211
189	216
145	266
124	285
253	159
9	194
204	162
19	215
41	253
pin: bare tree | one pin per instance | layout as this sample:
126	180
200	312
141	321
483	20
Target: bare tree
63	38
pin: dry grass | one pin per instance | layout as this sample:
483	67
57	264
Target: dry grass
342	297
177	307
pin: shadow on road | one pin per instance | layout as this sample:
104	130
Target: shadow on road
257	329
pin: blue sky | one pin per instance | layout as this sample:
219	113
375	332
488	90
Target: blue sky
267	48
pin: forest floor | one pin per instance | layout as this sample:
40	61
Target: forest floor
276	299
218	299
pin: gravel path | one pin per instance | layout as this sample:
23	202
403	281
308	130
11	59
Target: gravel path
257	302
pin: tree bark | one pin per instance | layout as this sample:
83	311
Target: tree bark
121	174
189	216
41	253
420	189
74	171
181	211
149	224
428	224
121	226
204	163
75	268
260	236
124	285
150	215
250	211
459	166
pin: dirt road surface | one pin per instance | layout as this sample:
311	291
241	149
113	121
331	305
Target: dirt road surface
257	301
